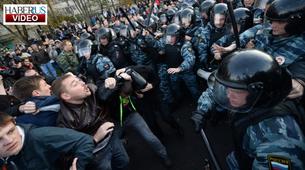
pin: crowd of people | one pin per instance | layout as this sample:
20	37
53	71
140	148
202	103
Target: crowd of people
67	98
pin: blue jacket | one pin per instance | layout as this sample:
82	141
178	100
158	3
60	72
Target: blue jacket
48	107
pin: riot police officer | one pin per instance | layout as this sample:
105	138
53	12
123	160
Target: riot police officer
206	104
193	32
94	66
163	23
205	10
244	21
215	29
180	60
170	13
265	134
110	48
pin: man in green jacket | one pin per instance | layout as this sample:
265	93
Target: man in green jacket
67	60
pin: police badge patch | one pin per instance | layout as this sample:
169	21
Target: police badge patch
106	66
278	163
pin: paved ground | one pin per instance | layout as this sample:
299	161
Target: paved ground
187	153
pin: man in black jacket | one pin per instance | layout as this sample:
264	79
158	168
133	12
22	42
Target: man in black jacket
80	110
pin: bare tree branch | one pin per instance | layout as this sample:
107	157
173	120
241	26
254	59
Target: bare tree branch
19	32
25	32
12	32
79	8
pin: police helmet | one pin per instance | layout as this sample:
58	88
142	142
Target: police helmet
243	18
150	24
187	17
135	25
173	30
140	20
242	86
184	6
133	33
206	6
124	31
135	8
290	11
104	33
85	35
170	14
219	9
84	47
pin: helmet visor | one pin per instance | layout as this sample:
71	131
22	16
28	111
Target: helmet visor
163	19
219	20
84	51
236	100
170	39
124	32
176	20
186	20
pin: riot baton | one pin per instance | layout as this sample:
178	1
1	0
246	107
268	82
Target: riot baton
234	25
141	25
125	15
207	144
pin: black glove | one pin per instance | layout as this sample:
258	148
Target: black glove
199	121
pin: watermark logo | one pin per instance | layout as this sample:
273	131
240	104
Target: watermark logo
25	14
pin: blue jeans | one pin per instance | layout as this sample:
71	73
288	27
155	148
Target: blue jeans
112	157
136	121
48	69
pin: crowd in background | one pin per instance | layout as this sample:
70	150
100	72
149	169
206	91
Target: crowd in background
132	65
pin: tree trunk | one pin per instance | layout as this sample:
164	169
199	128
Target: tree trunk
52	11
